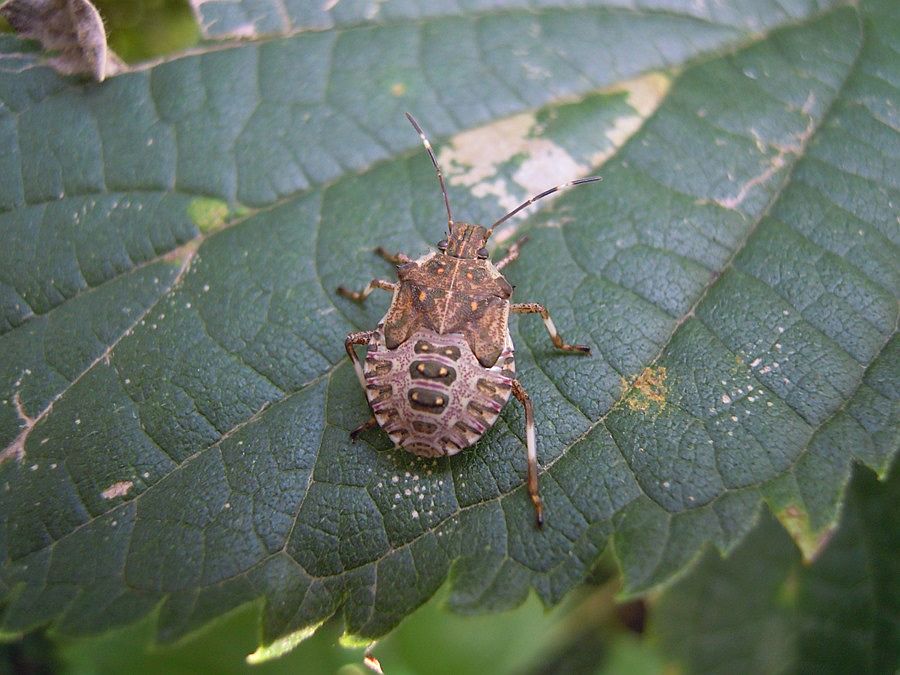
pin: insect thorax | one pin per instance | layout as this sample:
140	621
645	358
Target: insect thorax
431	395
447	295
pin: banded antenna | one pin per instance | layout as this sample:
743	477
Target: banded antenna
571	183
440	175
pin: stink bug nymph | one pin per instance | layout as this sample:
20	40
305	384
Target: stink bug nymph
440	366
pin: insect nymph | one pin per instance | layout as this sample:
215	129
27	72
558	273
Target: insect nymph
440	366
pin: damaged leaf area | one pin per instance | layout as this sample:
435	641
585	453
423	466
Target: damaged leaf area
519	156
175	399
648	391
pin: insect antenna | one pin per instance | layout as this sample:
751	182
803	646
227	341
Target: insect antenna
440	175
571	183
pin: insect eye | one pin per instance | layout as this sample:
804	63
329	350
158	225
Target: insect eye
442	244
482	252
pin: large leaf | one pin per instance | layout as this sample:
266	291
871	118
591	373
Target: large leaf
252	18
764	612
176	401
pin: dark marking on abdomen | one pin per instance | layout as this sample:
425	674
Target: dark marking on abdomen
428	400
432	370
384	392
491	387
424	427
423	347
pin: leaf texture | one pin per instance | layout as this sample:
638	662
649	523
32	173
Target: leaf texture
764	610
176	404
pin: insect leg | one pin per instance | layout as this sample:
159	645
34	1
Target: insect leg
359	296
396	258
531	445
361	338
370	423
511	254
537	308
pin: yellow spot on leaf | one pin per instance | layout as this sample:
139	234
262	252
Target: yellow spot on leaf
648	390
208	214
422	296
473	305
398	89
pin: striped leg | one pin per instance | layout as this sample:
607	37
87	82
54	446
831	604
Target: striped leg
361	338
396	258
511	254
359	296
536	308
531	446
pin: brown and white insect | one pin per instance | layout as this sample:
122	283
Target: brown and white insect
440	366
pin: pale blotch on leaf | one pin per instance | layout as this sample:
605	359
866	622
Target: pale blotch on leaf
207	213
643	95
119	489
775	162
71	29
473	159
648	391
398	89
16	449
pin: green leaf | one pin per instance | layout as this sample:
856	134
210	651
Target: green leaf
734	273
253	18
763	611
429	643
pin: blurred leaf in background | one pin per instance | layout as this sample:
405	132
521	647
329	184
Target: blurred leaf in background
143	29
763	611
581	635
138	30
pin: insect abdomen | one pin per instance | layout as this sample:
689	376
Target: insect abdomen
432	396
